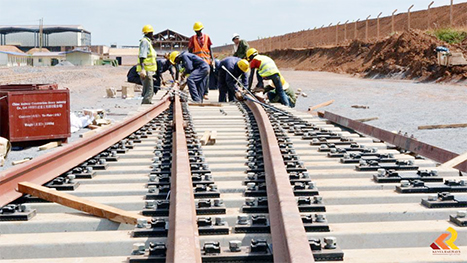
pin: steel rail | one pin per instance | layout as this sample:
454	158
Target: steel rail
426	150
289	240
48	166
183	239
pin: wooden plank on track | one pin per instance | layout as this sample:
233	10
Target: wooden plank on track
444	126
367	119
50	145
212	138
324	104
205	138
93	208
455	161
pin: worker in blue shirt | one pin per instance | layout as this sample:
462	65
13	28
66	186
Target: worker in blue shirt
226	83
198	70
163	65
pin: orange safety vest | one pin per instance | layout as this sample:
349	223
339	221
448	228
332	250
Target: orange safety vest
202	52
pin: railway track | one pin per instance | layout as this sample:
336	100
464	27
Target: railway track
273	185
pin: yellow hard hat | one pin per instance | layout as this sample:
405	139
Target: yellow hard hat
250	53
243	65
173	56
147	29
198	26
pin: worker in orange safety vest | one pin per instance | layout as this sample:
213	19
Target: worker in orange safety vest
200	45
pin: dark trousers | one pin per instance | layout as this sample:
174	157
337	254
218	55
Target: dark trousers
226	89
157	83
197	82
276	79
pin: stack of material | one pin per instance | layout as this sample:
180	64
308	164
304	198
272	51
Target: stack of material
99	118
5	147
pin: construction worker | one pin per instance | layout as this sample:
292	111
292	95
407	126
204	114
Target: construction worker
147	65
200	45
198	70
163	65
133	77
267	70
240	46
273	97
226	83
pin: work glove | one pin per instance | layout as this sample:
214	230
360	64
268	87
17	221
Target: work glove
239	96
142	73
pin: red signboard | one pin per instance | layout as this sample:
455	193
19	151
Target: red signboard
35	115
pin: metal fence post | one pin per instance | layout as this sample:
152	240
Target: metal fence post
314	36
408	16
356	29
429	15
321	38
378	23
345	30
337	32
451	15
329	40
366	29
392	22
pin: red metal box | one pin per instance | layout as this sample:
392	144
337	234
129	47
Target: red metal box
34	112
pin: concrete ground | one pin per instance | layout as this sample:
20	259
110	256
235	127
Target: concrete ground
399	105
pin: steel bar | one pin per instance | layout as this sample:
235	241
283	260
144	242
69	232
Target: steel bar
289	240
406	143
183	239
48	166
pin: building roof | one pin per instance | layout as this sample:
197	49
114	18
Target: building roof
35	50
14	53
45	29
48	54
170	35
79	51
123	51
11	49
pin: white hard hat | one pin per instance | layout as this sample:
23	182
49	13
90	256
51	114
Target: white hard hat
235	35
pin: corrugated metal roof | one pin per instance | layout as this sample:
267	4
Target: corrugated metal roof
35	50
9	48
48	54
14	53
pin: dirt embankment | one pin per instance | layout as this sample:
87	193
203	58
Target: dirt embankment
407	55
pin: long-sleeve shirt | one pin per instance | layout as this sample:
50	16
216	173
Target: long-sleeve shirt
191	62
164	65
133	76
230	63
241	49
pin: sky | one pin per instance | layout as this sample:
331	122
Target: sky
121	21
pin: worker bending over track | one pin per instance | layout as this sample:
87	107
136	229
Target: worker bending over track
226	83
147	65
198	70
267	70
273	97
163	65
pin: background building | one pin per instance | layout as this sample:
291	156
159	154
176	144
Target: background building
11	56
54	38
82	58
